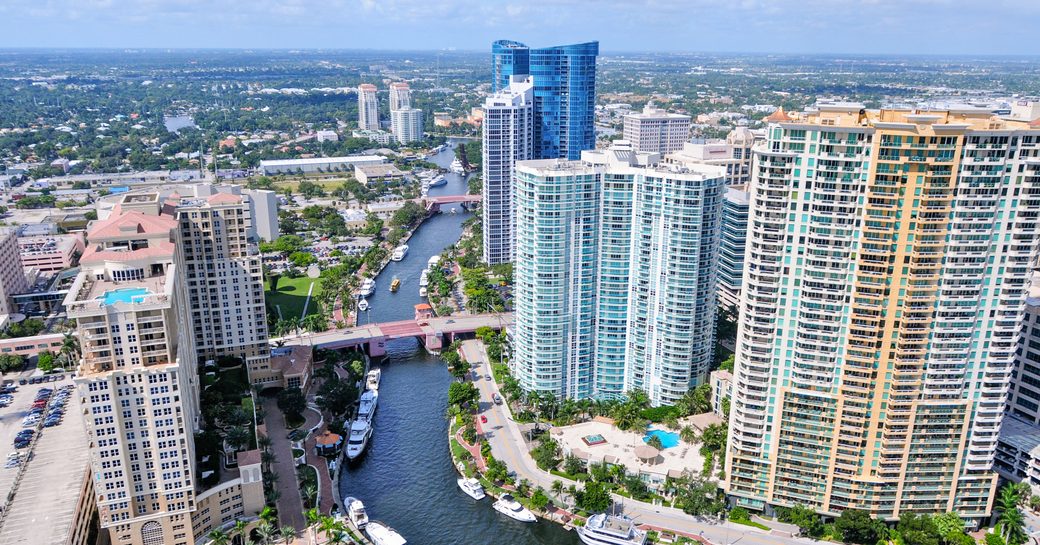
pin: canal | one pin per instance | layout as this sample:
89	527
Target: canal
406	478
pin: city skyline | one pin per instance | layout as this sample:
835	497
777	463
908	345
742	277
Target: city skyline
781	27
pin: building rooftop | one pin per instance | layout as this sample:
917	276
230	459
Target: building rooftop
323	160
850	114
119	225
1020	434
291	360
378	171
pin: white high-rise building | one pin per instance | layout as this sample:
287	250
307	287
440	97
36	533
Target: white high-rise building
733	154
507	138
656	131
886	272
400	96
368	107
407	125
615	270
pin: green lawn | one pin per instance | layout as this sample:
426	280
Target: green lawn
292	292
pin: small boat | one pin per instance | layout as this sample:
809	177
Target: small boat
381	534
423	292
511	508
372	379
438	181
362	305
424	278
399	252
367	405
356	513
604	529
472	488
368	287
395	285
360	433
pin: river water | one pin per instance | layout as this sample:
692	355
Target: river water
406	478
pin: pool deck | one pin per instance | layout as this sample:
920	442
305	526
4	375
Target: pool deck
155	285
620	449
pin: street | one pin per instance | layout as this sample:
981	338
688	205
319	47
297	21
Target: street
507	445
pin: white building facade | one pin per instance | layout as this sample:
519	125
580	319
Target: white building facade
507	138
407	125
656	131
368	107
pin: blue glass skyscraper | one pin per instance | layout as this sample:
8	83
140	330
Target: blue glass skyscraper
564	93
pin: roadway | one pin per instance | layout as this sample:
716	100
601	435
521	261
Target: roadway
507	445
359	335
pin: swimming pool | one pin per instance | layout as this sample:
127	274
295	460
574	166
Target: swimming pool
124	295
668	439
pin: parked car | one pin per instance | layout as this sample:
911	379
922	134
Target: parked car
497	399
483	419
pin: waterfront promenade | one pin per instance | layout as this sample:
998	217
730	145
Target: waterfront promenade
508	445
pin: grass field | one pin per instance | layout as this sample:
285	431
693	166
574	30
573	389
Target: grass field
327	185
291	294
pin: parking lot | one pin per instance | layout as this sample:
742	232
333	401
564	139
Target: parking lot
11	420
44	507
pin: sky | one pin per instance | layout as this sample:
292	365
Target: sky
935	27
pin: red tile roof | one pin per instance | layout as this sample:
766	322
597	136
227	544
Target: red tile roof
129	223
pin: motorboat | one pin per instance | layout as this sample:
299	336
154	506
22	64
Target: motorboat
367	405
395	285
423	292
381	534
363	305
368	287
356	513
472	488
360	433
456	166
604	529
438	181
508	506
453	211
433	261
424	278
372	379
399	252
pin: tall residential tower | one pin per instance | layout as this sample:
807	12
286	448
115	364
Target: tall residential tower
508	134
887	264
368	107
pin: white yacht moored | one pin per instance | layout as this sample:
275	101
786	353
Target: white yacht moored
456	167
367	405
438	181
604	529
424	278
363	305
422	292
372	379
381	534
360	433
472	488
356	513
399	252
511	508
368	287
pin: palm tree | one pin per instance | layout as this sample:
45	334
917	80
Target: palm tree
1008	498
313	517
557	488
70	348
688	435
265	532
328	525
287	533
218	537
1012	527
310	493
239	531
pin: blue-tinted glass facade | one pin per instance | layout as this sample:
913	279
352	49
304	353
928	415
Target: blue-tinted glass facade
564	93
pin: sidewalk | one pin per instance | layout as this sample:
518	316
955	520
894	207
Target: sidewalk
507	445
290	505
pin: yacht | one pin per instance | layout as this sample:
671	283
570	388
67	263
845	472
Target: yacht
362	305
372	379
433	261
423	292
400	252
456	167
512	509
367	405
438	181
360	433
604	529
424	278
368	287
381	534
395	285
356	513
472	488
